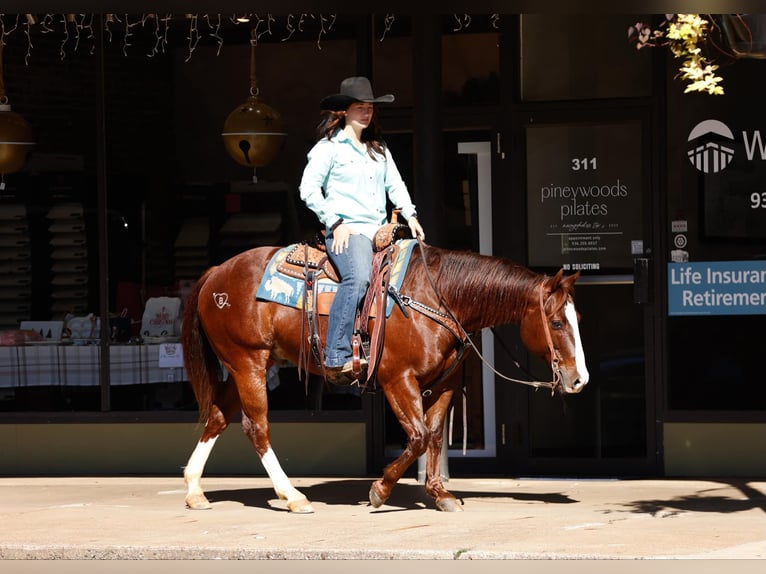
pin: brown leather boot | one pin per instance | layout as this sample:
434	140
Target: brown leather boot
345	375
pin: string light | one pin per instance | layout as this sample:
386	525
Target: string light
78	27
388	21
216	29
45	24
462	21
193	36
269	20
322	30
290	28
158	45
62	52
126	43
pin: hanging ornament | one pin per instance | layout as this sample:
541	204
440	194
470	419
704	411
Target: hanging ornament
254	132
15	133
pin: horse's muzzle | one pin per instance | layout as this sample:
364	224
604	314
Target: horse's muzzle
571	384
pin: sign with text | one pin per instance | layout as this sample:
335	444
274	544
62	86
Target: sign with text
717	288
584	190
735	203
171	355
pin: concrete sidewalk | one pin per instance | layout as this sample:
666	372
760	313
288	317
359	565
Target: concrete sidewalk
129	518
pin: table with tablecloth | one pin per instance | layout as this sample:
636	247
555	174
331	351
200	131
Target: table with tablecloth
79	365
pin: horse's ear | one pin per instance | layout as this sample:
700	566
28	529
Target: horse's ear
557	278
552	283
568	282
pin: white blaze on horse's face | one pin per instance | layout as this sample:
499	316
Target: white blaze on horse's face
582	371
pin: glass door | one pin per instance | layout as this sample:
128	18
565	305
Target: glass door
585	181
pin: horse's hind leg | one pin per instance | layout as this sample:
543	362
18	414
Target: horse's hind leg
255	424
225	406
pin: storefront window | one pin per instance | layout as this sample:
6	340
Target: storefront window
580	57
470	63
174	202
716	271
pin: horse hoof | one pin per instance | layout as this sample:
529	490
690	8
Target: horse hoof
449	505
198	502
375	498
302	506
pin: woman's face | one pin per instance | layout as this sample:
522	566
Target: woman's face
359	114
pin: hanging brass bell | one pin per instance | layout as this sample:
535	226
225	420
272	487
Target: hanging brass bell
254	133
15	140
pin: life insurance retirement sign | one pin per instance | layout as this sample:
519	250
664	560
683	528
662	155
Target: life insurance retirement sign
584	195
717	288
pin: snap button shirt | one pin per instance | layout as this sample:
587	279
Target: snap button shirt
342	180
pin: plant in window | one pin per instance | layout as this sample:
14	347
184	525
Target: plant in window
689	39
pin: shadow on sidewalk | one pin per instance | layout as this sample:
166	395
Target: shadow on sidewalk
356	491
706	500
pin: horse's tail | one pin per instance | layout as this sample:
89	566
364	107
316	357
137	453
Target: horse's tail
202	366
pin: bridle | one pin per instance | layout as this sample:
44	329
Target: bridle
555	355
554	352
467	341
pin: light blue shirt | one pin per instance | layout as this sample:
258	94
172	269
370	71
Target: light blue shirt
355	185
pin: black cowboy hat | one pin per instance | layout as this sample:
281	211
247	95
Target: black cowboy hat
354	89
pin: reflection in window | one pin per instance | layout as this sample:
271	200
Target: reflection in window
470	68
715	363
596	61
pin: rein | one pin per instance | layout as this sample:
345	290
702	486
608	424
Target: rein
467	341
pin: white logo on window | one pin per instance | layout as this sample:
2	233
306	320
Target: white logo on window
709	154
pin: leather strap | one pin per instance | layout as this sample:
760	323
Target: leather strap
549	340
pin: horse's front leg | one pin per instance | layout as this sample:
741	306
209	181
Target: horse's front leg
225	406
435	415
405	402
255	424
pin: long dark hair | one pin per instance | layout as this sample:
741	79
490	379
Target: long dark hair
332	121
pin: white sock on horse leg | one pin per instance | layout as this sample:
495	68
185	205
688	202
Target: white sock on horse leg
282	485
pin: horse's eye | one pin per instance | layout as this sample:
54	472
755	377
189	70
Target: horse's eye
557	325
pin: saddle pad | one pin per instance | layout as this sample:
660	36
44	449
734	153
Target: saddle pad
287	290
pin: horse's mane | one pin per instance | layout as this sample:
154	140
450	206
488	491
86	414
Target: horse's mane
492	289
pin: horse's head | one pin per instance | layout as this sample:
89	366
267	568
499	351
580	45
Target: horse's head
549	328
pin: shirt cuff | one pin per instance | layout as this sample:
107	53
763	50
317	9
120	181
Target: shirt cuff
336	224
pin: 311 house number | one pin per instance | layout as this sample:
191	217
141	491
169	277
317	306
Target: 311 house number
758	200
589	163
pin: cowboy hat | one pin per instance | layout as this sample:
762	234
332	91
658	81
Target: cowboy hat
354	89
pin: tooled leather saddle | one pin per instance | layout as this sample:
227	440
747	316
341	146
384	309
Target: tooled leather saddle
308	261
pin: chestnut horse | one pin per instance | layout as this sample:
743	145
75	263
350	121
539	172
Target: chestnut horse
445	296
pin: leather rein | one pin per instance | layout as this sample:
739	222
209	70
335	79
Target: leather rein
451	323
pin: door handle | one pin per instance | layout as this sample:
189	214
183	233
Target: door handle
641	280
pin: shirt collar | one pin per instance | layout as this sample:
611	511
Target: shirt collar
342	137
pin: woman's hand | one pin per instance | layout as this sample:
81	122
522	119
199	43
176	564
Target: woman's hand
340	237
416	229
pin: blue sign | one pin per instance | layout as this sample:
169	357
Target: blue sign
717	288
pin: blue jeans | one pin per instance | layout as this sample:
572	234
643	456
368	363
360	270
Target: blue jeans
354	266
